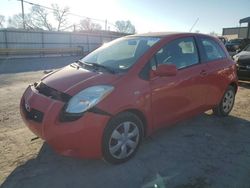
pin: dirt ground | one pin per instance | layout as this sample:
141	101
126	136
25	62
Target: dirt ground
205	151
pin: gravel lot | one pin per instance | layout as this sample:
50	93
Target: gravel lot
205	151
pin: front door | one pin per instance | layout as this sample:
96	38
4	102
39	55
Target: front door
177	97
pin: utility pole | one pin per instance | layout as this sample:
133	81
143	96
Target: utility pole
23	14
106	23
248	30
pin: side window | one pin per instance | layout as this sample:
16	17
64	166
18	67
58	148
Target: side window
212	49
181	52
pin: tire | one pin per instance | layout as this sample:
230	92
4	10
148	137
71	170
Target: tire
122	137
226	104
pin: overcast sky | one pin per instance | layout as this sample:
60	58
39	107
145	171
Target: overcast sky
151	15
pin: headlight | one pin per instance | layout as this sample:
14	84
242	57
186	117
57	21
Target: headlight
88	98
235	58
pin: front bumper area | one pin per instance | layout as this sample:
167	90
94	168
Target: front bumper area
80	138
243	74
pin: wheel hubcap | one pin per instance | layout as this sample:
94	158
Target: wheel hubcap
228	101
124	140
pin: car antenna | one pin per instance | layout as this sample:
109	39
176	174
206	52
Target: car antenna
194	24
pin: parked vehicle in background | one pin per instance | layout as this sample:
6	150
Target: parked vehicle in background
104	104
243	63
233	45
223	39
236	45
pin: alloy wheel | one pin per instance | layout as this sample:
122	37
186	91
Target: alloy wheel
124	140
228	101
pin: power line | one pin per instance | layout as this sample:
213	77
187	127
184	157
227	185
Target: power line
73	14
28	2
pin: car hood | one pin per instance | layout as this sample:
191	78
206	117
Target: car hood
72	79
243	53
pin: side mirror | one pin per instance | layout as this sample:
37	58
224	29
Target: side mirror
165	70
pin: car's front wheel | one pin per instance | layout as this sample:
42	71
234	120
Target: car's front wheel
227	103
122	137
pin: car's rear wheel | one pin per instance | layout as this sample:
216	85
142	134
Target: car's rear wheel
227	103
122	137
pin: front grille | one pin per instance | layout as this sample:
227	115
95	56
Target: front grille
33	114
243	64
244	61
50	92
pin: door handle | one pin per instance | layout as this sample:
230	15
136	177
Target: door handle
203	73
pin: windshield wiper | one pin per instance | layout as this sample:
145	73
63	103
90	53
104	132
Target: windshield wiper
103	67
76	64
96	65
79	62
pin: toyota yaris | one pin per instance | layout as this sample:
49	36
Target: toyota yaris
104	104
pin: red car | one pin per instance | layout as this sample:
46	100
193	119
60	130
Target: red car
104	104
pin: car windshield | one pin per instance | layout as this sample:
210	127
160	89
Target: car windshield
235	41
120	54
247	48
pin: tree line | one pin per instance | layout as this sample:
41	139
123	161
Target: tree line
39	18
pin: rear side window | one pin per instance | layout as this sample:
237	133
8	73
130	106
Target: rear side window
213	50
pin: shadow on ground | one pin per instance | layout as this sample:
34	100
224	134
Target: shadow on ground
206	151
16	65
245	84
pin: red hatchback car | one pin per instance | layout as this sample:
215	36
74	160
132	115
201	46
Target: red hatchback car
104	104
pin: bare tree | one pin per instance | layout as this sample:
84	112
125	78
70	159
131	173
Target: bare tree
213	34
16	21
2	20
39	18
61	16
87	24
125	26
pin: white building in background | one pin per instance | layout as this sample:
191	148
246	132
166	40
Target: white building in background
238	32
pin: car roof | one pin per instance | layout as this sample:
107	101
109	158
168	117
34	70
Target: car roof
156	34
166	34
